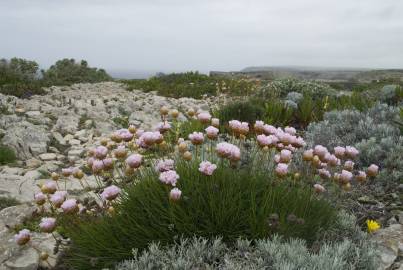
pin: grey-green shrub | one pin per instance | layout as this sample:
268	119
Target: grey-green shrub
354	252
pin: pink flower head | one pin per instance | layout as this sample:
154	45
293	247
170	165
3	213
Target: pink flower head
67	171
204	117
165	165
290	130
97	166
320	151
124	134
215	122
229	151
196	138
207	168
372	170
175	194
239	127
285	156
211	132
284	137
90	161
339	151
49	187
264	140
319	188
259	127
110	193
169	177
281	169
58	198
277	158
332	160
139	132
47	224
70	206
134	161
298	142
351	151
120	151
345	176
40	198
162	127
361	176
323	173
101	152
22	237
269	130
108	163
349	165
149	138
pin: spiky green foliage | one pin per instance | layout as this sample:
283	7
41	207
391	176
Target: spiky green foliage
231	203
197	253
246	111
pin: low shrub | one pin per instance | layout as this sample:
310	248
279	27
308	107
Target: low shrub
7	155
7	202
355	252
246	111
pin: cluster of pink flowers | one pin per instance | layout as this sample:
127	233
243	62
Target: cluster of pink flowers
227	150
163	127
58	198
134	161
149	138
110	193
169	177
47	224
22	237
165	165
204	117
207	168
69	206
238	127
212	132
196	138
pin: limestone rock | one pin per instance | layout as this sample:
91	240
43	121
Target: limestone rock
390	244
47	156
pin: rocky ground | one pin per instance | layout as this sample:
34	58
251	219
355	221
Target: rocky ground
53	131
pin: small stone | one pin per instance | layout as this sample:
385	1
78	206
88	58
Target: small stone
366	200
32	163
47	156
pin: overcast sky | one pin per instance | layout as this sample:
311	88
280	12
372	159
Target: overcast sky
177	35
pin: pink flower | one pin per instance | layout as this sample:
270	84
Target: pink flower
149	138
67	171
108	163
124	134
215	122
307	155
285	138
239	127
319	188
361	176
165	165
139	133
70	206
320	150
332	160
290	130
134	161
349	165
351	151
277	158
175	194
169	177
281	169
110	193
101	152
49	187
269	130
58	198
47	224
90	161
345	176
163	127
211	132
204	117
207	168
263	140
339	151
325	174
229	151
285	156
372	170
22	237
298	142
97	166
39	198
120	151
196	138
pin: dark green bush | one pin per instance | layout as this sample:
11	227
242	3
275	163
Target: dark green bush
68	71
231	203
246	111
7	155
7	202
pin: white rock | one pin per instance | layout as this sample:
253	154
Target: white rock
47	156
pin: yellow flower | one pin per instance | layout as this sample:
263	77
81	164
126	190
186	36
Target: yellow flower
372	225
